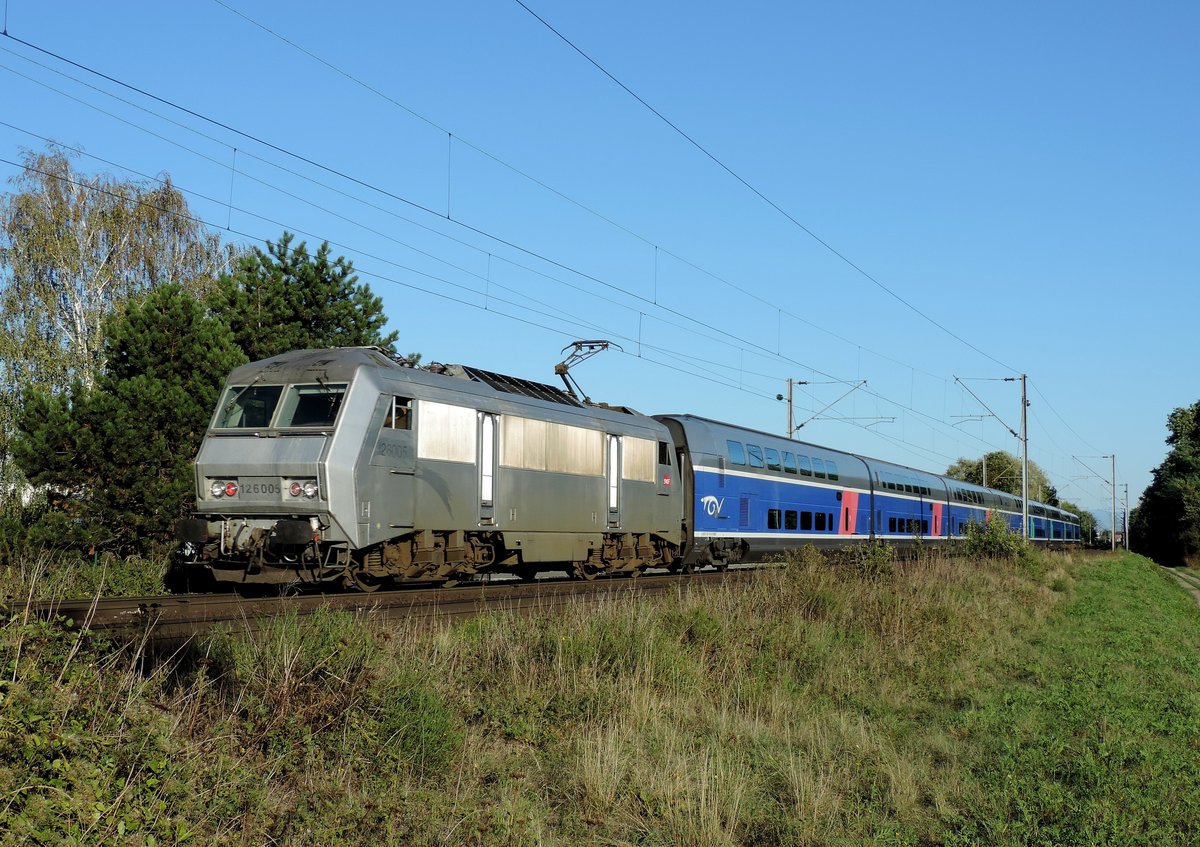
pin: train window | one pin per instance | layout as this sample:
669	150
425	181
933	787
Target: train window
818	468
829	521
924	527
806	520
773	459
248	405
448	433
737	453
664	453
820	517
789	519
399	414
831	469
773	516
756	456
891	524
805	466
789	462
312	405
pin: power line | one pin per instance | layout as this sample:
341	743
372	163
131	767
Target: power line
421	207
703	370
556	192
1050	406
690	319
829	247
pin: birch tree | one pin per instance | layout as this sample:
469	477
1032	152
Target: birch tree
74	248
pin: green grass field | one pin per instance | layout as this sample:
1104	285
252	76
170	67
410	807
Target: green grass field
1043	700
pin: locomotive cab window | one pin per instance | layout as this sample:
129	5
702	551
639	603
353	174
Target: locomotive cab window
399	415
248	406
664	453
312	405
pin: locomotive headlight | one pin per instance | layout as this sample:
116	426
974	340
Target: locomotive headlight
217	489
310	490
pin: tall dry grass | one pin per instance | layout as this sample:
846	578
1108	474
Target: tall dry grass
812	705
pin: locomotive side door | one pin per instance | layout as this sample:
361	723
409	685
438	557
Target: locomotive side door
487	468
614	481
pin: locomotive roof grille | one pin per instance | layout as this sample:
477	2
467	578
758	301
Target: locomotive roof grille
524	387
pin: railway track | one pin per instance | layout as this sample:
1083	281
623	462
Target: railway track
174	619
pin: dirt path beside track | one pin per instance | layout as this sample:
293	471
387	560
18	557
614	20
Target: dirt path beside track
1189	580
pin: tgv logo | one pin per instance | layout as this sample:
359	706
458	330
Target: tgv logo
712	505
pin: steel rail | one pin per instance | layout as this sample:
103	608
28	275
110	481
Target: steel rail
175	619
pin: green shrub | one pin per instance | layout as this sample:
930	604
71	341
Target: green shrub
992	539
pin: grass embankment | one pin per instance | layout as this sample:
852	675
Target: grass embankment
1048	700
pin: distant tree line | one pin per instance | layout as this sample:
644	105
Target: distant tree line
1165	525
120	317
1003	473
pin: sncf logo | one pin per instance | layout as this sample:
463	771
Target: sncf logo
712	505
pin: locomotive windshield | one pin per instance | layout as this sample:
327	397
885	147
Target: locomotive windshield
254	406
312	405
248	406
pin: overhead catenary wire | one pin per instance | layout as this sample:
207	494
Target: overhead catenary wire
560	194
737	341
704	374
729	170
428	210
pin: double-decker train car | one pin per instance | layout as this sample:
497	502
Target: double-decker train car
350	466
754	494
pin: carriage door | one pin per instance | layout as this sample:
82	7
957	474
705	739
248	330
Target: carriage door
614	480
487	468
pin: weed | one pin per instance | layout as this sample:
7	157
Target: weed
1029	699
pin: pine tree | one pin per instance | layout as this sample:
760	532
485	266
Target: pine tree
118	457
285	299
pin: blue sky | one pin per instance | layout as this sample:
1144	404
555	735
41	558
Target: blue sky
1023	174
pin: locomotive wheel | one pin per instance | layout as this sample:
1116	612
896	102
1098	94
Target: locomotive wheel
584	570
363	582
